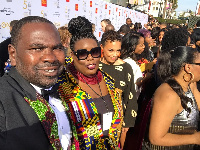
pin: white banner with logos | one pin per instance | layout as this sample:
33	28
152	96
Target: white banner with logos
61	11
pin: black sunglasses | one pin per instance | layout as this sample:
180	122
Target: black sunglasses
196	63
82	54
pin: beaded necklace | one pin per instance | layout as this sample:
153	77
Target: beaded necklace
94	79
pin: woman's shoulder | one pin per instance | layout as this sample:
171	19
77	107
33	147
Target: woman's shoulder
130	61
165	93
119	61
127	66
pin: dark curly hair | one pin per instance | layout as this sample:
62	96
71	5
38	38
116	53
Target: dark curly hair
124	29
174	38
80	28
170	64
110	35
16	30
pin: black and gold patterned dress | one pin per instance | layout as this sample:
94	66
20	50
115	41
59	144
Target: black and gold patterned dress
181	124
124	80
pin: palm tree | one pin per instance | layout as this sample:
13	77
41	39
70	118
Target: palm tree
174	6
164	9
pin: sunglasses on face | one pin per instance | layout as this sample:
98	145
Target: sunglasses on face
196	64
82	54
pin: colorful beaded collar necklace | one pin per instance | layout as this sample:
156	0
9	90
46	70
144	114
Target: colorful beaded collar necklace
94	79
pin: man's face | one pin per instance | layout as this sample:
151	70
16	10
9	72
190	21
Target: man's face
128	22
103	26
38	56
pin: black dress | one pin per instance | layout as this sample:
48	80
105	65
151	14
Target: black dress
124	80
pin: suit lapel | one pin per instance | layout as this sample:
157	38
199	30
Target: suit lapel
25	89
21	85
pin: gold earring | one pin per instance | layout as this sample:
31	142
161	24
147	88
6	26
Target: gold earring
191	77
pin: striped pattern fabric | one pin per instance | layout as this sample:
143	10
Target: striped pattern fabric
83	113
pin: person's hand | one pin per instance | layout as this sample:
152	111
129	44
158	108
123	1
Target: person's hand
155	60
124	130
148	75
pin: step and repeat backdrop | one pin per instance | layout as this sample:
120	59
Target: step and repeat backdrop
61	11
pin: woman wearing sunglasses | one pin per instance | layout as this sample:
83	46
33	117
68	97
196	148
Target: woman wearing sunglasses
91	100
123	75
176	102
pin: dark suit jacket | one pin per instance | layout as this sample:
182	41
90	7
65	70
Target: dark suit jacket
20	128
4	54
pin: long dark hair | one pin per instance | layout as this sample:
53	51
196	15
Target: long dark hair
129	43
170	64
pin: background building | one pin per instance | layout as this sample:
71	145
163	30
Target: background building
157	8
198	9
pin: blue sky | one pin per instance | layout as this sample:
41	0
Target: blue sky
183	5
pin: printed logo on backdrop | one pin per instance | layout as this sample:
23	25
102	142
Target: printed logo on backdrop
96	4
113	9
6	11
97	12
57	14
110	9
44	3
27	8
84	6
5	25
136	15
119	10
94	10
44	15
57	3
67	13
101	8
76	7
101	11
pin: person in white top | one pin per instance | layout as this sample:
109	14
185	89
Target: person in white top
133	44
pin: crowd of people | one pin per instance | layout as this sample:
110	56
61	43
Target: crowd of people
136	89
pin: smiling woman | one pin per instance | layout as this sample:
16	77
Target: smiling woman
92	101
123	76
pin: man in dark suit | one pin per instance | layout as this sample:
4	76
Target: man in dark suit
4	50
30	120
